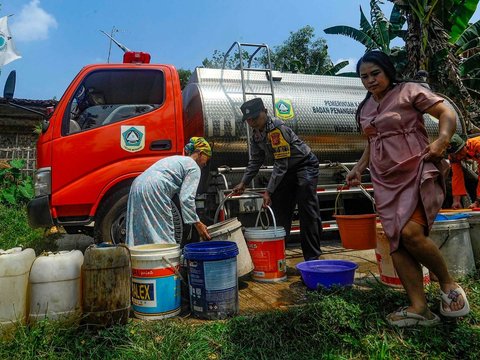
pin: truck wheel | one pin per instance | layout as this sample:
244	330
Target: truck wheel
110	221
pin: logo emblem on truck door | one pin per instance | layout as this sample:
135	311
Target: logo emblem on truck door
284	109
132	138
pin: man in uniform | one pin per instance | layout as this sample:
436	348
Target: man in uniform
460	150
294	177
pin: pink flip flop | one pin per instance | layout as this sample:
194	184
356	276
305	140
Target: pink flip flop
452	296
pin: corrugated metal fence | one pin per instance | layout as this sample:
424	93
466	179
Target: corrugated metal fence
29	154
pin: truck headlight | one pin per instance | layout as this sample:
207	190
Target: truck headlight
43	182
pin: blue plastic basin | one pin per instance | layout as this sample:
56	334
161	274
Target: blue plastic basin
327	273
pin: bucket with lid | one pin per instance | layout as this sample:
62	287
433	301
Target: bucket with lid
388	274
357	231
212	279
106	285
15	267
267	248
55	286
452	237
156	291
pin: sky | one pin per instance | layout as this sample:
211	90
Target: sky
56	38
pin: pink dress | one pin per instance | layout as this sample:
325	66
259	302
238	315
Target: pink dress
398	139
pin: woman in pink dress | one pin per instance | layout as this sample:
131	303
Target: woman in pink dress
408	179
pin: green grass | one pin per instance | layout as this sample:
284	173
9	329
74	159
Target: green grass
343	324
14	231
340	324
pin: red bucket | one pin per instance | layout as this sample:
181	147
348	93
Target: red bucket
267	249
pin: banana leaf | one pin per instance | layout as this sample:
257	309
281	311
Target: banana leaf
461	15
355	34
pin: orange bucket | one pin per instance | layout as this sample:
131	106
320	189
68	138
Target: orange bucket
357	232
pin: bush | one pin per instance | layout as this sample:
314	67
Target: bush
15	187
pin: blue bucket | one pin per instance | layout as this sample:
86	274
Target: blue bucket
327	273
212	279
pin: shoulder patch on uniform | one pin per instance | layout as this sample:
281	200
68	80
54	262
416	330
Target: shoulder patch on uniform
281	148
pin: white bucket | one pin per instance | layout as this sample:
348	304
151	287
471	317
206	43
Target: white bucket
452	237
474	222
388	274
156	281
15	267
231	230
55	286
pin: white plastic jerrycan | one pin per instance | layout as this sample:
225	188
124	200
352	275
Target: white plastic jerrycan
55	286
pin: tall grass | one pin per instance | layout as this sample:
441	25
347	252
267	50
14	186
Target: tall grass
15	231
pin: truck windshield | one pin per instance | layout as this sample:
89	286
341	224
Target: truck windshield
109	96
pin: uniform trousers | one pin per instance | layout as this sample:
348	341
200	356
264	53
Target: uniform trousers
299	187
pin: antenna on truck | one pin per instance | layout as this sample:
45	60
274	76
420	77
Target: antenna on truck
121	46
129	56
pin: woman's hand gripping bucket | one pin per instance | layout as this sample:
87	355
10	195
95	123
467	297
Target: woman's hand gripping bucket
267	248
357	231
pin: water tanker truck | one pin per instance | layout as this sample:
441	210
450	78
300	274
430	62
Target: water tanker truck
115	120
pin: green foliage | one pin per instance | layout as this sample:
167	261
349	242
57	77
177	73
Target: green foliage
15	187
378	33
219	60
184	76
15	231
302	53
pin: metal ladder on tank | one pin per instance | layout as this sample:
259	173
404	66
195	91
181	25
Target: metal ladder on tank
244	82
267	70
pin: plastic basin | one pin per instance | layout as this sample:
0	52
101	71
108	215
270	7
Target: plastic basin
327	273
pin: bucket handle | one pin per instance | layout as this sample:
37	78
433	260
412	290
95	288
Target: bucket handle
264	227
222	203
446	239
364	191
175	270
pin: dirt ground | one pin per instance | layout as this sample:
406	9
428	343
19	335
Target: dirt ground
257	296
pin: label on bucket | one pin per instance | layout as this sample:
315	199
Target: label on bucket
213	288
268	259
155	292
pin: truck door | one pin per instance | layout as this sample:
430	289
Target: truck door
117	122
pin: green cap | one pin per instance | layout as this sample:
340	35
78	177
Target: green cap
456	144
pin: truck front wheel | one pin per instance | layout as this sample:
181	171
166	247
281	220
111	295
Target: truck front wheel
110	221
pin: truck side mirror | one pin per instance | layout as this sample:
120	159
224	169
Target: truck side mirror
9	88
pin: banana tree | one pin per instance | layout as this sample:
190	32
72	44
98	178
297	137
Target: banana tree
468	49
434	28
378	33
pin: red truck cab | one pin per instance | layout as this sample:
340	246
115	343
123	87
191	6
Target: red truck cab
113	122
